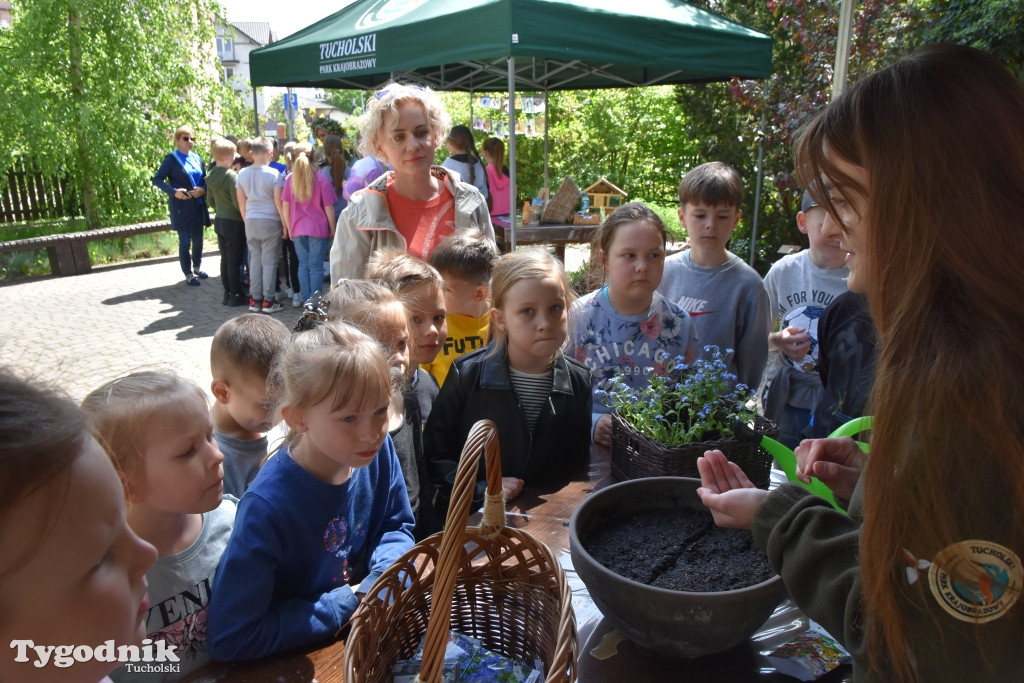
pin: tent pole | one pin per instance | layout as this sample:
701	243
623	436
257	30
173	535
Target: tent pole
255	109
842	48
757	190
512	150
289	114
546	185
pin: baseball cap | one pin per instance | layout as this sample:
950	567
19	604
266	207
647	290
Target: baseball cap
807	202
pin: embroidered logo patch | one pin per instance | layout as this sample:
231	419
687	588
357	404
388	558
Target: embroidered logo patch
976	581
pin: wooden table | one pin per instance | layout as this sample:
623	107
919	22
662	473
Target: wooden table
546	233
546	514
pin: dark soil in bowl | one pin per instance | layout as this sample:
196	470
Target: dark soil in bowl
680	550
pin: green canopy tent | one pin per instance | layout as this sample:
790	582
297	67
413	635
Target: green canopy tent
505	45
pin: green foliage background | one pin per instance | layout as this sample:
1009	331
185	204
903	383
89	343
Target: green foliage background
94	89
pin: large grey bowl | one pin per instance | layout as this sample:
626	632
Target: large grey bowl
675	623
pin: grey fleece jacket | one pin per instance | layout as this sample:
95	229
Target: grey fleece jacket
366	225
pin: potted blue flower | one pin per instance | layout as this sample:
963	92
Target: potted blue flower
662	428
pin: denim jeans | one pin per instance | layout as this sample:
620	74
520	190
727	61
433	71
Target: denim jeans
311	252
791	423
190	237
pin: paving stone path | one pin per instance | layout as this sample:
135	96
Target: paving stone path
84	330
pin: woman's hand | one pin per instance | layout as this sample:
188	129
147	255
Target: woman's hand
727	492
512	486
603	431
197	192
181	193
836	462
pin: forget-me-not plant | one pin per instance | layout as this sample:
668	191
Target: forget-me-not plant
685	405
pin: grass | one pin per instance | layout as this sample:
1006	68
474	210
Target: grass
23	264
101	252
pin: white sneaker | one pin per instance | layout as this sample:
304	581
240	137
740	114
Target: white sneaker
296	301
271	307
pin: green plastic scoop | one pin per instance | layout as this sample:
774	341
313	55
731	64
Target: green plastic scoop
854	427
787	459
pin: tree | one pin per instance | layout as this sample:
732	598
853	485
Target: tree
301	130
731	120
351	101
631	136
995	26
95	89
236	113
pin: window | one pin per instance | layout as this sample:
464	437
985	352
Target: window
225	49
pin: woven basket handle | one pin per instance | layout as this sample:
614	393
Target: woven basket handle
482	437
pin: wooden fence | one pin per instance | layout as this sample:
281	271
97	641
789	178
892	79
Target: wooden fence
27	195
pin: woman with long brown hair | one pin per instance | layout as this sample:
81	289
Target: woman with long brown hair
923	163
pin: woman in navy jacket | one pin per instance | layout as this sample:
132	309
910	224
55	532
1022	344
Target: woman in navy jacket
182	177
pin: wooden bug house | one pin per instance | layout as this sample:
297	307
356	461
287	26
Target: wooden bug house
604	195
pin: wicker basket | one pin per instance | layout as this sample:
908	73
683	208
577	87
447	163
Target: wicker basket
561	206
495	583
635	455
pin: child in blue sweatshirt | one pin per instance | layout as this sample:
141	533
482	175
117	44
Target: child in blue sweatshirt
326	515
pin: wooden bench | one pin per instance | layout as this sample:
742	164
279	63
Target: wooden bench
69	252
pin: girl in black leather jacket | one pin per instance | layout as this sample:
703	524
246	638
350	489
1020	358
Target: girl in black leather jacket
539	398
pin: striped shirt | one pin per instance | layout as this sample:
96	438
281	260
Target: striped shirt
533	392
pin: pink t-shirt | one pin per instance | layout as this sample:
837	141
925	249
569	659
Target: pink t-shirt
308	218
499	190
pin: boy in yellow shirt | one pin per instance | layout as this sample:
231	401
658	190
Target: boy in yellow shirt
465	260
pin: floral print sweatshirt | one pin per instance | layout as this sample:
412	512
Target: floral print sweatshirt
630	346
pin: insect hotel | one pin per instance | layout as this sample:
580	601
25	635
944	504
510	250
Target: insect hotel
605	196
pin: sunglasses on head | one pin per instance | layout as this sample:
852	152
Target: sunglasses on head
387	93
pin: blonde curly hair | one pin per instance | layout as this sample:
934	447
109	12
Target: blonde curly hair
384	104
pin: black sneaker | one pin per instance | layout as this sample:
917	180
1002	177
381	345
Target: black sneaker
238	300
